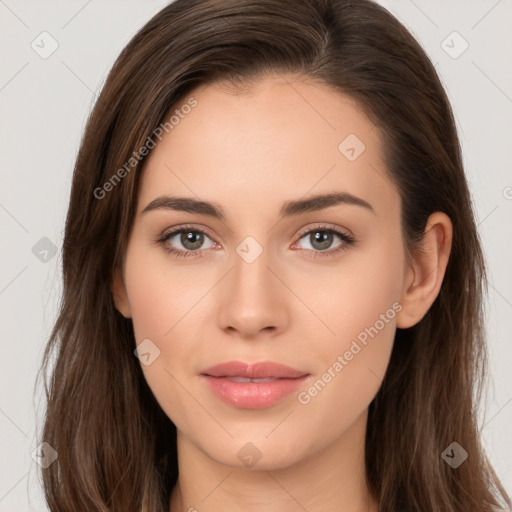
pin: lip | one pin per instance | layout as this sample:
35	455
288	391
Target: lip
228	382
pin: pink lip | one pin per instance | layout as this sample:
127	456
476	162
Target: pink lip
253	395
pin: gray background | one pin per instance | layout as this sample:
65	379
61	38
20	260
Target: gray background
45	102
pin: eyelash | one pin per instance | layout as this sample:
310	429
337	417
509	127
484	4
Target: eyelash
346	239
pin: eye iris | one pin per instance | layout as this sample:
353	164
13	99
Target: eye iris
192	240
323	238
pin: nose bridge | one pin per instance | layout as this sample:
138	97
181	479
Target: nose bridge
251	273
251	298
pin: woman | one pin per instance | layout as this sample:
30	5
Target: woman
272	275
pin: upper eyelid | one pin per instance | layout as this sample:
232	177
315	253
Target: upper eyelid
174	231
325	227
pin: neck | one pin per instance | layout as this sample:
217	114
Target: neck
330	480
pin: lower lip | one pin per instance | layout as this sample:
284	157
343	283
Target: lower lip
253	395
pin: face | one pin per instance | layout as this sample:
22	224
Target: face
313	285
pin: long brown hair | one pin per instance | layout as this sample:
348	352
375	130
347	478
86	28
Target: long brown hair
116	447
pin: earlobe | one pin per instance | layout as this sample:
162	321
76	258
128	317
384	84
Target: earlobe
119	294
426	271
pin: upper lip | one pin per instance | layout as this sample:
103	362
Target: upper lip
260	370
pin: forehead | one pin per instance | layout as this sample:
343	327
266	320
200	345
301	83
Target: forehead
278	139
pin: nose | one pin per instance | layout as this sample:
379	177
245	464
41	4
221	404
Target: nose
252	299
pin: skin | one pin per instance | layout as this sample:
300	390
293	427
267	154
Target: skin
249	151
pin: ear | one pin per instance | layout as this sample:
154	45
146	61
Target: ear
425	272
119	294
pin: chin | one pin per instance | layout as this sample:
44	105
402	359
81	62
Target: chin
258	453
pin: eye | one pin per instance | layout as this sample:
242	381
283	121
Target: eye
190	239
321	238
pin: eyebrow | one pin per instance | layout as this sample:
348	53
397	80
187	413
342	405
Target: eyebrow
288	209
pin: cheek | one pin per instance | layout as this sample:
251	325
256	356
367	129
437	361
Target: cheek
169	307
162	296
165	307
351	296
360	305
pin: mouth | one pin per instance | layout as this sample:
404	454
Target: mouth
245	379
253	386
